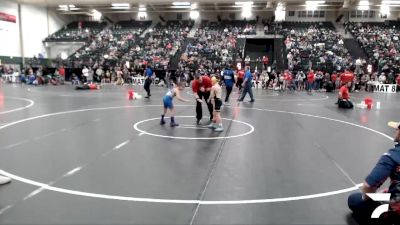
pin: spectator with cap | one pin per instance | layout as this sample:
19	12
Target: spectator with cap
387	166
201	87
4	180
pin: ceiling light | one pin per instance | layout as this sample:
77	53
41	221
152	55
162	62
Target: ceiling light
180	6
142	9
63	6
385	10
96	14
363	7
64	55
120	5
363	3
193	6
390	2
244	3
71	6
181	3
313	5
194	15
142	15
314	2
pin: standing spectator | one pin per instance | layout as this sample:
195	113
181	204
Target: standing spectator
398	82
265	61
334	79
310	81
148	80
318	80
247	60
240	78
300	76
99	74
90	75
85	74
61	72
247	86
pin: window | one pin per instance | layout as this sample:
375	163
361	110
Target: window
359	14
309	13
316	14
291	13
353	14
372	14
322	14
302	14
179	16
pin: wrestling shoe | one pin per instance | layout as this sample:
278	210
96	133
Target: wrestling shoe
212	126
174	124
219	129
4	180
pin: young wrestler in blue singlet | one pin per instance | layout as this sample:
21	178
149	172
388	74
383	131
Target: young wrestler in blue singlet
168	102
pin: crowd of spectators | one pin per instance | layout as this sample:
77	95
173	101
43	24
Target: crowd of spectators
316	48
163	42
215	45
381	44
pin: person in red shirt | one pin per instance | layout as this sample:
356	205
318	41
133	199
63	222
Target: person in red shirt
333	79
344	96
61	71
310	81
239	81
398	82
346	77
201	87
265	61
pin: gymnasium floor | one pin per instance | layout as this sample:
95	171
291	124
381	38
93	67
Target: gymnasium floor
94	157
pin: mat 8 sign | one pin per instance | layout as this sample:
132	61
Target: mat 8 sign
385	88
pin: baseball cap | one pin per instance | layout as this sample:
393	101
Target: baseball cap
393	124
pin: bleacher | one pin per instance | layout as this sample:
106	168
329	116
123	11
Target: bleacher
74	32
111	46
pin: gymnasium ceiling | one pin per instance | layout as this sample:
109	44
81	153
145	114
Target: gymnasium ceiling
104	6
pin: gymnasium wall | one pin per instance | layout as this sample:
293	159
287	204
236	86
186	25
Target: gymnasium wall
9	31
185	16
37	22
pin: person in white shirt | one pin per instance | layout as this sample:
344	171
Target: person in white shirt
382	78
85	73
